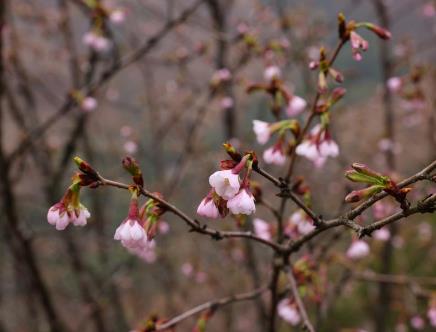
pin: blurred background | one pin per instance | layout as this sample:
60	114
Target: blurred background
148	87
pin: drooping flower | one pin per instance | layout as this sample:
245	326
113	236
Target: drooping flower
262	229
207	208
358	250
58	216
358	45
242	203
226	183
262	131
275	155
301	222
318	146
295	106
68	210
130	232
288	312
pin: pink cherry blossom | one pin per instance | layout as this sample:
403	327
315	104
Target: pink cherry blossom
429	9
274	155
301	222
358	44
272	72
296	106
394	84
117	16
227	102
318	147
89	104
417	322
58	216
382	234
431	315
262	229
131	147
262	131
187	269
242	203
288	312
131	233
358	250
207	208
81	218
226	183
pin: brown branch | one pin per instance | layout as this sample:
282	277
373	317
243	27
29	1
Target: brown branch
214	304
193	223
294	289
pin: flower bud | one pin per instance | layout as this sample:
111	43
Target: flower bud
131	166
363	169
358	195
379	31
231	151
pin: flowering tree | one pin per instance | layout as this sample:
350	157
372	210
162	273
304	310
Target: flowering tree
249	178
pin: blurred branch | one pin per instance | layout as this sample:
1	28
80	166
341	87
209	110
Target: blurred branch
212	305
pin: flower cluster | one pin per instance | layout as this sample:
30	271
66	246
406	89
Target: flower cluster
318	146
69	210
228	192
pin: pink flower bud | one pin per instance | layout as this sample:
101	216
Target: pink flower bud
296	106
358	250
225	183
262	131
358	44
274	155
208	209
301	222
242	203
262	229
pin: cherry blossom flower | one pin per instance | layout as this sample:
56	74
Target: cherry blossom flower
272	73
68	210
130	232
296	106
242	203
431	315
227	102
301	222
382	234
226	183
262	131
358	44
417	322
187	269
117	16
89	104
274	155
318	146
429	9
288	312
262	229
131	147
58	216
96	41
207	208
394	84
358	250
